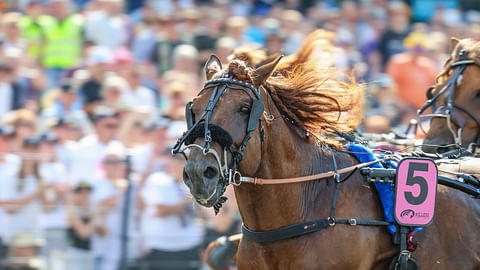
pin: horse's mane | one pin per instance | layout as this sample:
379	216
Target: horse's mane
473	48
306	86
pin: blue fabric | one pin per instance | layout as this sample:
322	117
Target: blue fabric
385	190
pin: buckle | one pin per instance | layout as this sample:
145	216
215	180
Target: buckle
352	221
331	221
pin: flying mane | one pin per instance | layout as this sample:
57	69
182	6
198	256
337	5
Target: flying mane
306	86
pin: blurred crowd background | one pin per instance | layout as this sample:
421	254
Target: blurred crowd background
92	96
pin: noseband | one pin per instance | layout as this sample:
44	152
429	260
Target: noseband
447	110
202	127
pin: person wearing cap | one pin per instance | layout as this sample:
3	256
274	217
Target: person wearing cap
110	192
82	223
24	123
63	40
88	153
53	173
98	64
413	71
24	253
66	103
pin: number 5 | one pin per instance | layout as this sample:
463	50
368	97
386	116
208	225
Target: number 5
412	180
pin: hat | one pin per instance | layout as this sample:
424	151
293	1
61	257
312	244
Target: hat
48	137
122	55
156	124
99	55
68	87
82	185
115	148
417	40
101	112
6	130
60	121
33	140
26	239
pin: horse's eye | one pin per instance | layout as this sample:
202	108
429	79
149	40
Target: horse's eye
244	110
477	95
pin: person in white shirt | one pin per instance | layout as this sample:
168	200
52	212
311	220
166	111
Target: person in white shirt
136	94
109	195
9	166
86	157
53	218
171	232
21	193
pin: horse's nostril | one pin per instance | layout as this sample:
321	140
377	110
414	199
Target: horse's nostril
210	172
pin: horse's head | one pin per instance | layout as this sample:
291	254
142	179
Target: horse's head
225	132
455	100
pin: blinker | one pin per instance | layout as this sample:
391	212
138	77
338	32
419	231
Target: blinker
189	116
255	113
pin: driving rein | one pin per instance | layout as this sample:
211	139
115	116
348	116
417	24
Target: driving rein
447	110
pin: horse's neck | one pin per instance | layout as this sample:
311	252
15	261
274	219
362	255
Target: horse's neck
271	206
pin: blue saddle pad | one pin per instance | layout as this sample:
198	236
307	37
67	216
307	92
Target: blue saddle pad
385	190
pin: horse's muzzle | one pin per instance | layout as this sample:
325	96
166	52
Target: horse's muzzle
203	180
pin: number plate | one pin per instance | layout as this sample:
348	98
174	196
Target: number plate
415	191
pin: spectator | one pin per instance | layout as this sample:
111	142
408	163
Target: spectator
185	67
90	150
412	71
391	42
31	29
82	223
24	253
170	231
21	193
24	123
98	61
9	165
67	103
54	222
10	95
62	41
107	26
112	92
110	193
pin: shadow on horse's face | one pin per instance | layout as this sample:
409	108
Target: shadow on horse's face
439	138
202	173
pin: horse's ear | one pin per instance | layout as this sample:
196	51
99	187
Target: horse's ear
453	43
261	74
268	60
212	66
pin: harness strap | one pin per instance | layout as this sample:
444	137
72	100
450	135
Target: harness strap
303	228
262	181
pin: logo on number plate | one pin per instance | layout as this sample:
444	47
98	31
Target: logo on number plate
415	192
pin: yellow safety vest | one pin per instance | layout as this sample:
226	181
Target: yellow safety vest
32	32
63	42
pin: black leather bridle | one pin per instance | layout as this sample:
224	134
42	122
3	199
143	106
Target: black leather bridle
445	110
201	127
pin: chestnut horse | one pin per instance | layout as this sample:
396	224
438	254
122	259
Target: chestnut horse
456	124
301	96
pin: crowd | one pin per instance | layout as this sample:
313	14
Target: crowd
92	98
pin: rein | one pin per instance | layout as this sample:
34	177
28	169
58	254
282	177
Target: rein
319	176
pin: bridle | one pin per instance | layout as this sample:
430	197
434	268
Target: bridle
202	127
447	110
210	132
